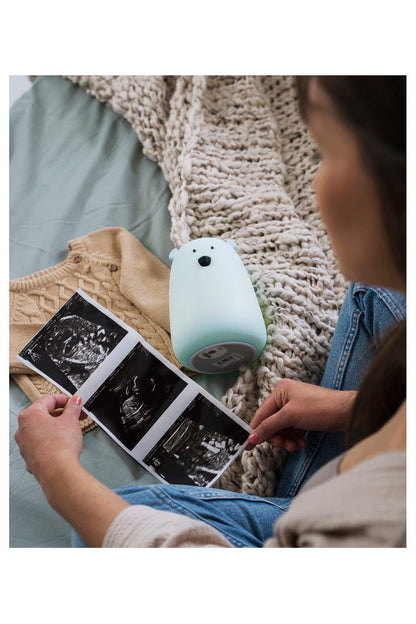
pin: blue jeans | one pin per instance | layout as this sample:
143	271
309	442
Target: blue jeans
247	521
365	316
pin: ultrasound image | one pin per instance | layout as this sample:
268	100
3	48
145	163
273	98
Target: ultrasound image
136	398
135	395
198	446
73	343
78	346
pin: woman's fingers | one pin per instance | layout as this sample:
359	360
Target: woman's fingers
284	392
289	443
277	440
282	441
51	402
266	409
283	419
58	412
290	438
72	408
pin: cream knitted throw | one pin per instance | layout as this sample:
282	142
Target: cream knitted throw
238	161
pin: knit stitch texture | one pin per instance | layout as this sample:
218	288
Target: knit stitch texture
238	160
111	266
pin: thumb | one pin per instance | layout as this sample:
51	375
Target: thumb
73	408
282	419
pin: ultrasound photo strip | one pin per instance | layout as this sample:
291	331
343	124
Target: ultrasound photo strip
73	343
163	419
135	395
198	446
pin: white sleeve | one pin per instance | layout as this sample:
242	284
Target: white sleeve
139	526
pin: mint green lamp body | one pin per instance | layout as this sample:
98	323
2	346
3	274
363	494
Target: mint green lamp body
215	319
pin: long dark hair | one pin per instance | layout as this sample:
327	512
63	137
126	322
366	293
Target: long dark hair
374	109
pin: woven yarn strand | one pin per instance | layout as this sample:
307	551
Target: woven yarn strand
238	160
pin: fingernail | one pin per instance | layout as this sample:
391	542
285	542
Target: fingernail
76	399
253	438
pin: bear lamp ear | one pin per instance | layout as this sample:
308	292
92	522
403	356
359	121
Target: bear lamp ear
173	254
232	243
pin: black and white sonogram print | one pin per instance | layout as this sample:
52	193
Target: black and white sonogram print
73	343
135	395
198	446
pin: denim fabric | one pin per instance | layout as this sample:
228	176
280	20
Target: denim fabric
367	312
247	521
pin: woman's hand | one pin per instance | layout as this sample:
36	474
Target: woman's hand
49	436
50	442
295	407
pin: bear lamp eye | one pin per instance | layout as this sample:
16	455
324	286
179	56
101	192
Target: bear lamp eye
194	250
212	247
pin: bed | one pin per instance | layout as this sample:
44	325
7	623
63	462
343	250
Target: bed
76	166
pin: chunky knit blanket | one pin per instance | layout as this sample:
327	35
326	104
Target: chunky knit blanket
239	163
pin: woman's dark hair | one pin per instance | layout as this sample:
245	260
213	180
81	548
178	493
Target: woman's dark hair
374	109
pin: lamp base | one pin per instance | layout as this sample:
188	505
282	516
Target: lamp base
222	357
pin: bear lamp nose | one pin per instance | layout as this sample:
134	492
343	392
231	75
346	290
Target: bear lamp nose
204	261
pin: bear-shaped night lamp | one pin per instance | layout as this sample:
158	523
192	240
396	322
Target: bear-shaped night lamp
215	319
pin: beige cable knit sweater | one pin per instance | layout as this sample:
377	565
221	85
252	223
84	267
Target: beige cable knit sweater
238	161
111	266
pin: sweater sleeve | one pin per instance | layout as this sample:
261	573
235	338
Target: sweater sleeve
139	526
364	507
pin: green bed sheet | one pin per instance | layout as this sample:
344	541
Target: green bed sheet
75	167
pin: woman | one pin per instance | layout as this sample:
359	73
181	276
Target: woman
337	497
